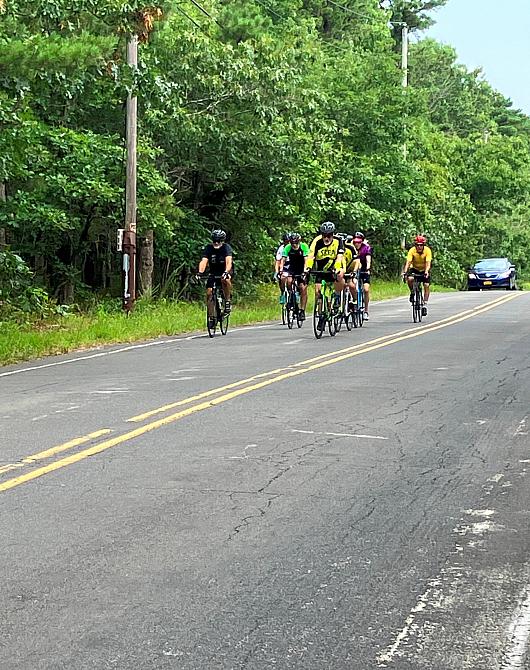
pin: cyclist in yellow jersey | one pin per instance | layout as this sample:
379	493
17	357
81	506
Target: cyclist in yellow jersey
326	255
419	261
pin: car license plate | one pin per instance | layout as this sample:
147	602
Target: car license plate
488	283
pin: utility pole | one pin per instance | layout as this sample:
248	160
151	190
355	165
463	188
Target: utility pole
129	235
405	68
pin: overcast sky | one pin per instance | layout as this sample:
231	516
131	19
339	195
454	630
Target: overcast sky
493	35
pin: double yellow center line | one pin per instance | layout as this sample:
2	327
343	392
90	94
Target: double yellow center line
234	390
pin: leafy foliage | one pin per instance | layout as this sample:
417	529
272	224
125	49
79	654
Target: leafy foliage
256	116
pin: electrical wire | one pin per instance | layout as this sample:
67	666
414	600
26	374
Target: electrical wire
351	11
271	10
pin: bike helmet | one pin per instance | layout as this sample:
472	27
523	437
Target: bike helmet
327	228
359	236
285	237
218	235
295	237
349	239
420	239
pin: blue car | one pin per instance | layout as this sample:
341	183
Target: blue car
492	273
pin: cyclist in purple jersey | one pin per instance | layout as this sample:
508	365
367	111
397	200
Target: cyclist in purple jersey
364	250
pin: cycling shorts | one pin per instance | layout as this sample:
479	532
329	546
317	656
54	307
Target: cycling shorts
420	275
213	281
326	276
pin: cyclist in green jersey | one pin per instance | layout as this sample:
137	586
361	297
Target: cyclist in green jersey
292	266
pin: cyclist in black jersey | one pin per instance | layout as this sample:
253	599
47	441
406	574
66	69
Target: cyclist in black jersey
292	266
217	257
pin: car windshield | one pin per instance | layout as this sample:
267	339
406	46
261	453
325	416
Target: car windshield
491	264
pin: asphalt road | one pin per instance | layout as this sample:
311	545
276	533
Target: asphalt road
266	500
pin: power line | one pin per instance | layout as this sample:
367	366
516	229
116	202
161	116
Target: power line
204	11
271	10
351	11
201	8
198	25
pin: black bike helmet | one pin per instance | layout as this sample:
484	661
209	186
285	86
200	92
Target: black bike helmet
218	235
285	237
295	237
327	228
349	239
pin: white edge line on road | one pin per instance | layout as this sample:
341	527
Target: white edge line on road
157	343
313	432
121	350
519	634
388	655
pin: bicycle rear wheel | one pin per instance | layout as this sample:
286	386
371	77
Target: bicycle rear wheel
318	318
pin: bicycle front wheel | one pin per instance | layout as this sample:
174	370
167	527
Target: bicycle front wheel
360	307
416	306
289	313
319	322
331	318
211	323
349	317
223	323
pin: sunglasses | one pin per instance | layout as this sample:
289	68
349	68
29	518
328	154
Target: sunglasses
327	236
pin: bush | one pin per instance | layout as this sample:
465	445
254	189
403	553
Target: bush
18	293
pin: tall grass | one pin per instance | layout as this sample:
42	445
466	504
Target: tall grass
107	324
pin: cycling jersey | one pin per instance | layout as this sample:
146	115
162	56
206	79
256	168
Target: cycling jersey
325	256
419	260
217	257
295	258
364	250
350	256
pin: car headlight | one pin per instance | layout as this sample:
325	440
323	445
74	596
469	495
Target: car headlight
504	275
472	276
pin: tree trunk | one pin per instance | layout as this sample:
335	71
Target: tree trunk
2	230
146	263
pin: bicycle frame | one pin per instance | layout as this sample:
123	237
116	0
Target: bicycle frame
417	299
323	312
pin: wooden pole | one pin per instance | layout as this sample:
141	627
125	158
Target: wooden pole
129	237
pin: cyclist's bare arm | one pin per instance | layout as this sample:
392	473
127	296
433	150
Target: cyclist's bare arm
228	264
203	264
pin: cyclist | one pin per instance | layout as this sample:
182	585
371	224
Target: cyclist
418	263
277	261
292	266
351	264
364	250
217	256
326	253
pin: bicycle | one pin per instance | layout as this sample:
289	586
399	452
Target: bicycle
346	313
324	312
285	294
292	309
216	303
417	298
358	312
